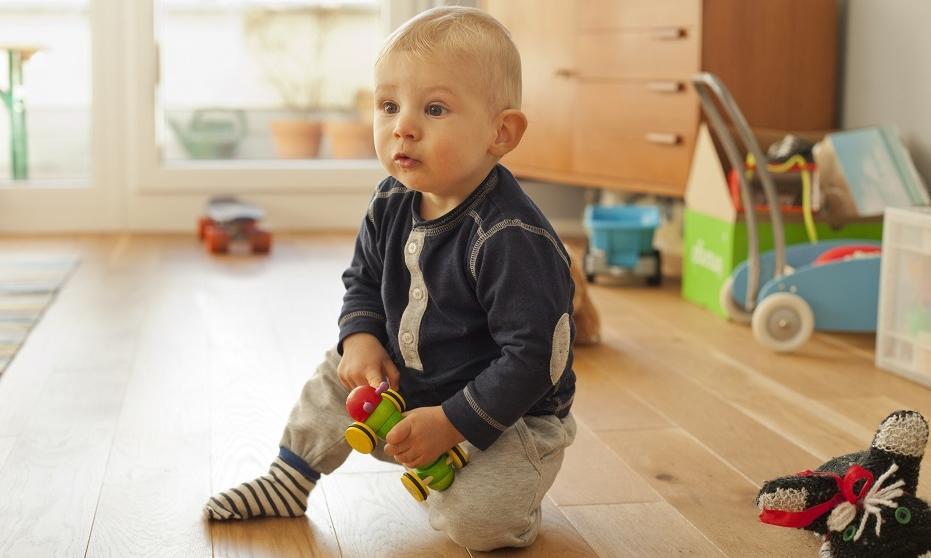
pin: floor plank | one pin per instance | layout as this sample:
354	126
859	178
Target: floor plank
557	539
695	481
304	537
819	369
374	516
160	375
598	476
636	530
603	405
52	477
700	411
6	444
251	394
158	475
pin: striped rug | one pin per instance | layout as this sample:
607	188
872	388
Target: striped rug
28	285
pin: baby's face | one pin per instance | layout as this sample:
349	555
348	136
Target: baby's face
433	124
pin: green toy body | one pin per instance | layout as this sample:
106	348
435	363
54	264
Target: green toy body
384	418
378	420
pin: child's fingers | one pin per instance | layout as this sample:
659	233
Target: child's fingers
370	375
391	372
407	457
373	376
399	433
343	378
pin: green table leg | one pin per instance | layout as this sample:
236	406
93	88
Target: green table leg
16	106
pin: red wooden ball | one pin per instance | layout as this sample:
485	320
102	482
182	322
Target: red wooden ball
357	398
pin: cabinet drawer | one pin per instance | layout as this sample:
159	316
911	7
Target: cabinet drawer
640	53
634	108
633	158
615	14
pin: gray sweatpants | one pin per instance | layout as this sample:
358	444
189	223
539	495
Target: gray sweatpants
494	501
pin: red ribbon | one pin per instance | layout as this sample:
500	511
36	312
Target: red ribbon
845	491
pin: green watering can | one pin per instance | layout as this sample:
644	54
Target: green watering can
211	133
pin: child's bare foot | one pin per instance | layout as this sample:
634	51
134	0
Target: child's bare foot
282	492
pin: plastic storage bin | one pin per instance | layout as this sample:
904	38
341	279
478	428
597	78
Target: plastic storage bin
903	336
620	238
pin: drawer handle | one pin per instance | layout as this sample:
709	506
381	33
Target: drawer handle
664	138
665	86
669	33
565	73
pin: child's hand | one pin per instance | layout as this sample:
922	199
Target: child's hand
365	361
423	435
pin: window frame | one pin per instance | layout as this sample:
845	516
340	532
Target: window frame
96	201
148	174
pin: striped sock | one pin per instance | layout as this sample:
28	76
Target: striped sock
282	492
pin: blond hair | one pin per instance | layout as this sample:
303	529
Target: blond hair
470	35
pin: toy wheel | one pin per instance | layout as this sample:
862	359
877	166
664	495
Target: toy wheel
656	279
458	457
587	266
734	311
395	399
783	322
261	241
217	240
202	225
415	486
361	437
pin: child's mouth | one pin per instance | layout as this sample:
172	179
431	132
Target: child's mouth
405	162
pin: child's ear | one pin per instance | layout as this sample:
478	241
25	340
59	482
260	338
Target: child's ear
511	124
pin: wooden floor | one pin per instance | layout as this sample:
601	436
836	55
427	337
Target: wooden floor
161	375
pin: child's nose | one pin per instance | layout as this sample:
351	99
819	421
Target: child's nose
406	126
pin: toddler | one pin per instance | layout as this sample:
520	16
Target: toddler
459	295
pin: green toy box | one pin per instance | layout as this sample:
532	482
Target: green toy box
715	233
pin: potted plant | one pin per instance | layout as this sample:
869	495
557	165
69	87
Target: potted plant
351	137
289	46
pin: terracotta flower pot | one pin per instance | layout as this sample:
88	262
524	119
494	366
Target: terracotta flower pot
350	140
297	139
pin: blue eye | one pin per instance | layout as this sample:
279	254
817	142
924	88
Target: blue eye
389	107
436	110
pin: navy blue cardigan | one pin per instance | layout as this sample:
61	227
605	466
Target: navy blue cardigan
474	307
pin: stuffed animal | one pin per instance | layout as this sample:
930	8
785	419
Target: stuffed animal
862	504
585	315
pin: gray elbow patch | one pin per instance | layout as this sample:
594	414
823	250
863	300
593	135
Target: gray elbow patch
560	355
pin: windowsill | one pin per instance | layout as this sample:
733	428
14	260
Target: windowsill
271	164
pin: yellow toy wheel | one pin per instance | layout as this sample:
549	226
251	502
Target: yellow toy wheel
361	437
415	486
458	457
395	399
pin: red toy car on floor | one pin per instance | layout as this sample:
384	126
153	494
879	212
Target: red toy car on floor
230	220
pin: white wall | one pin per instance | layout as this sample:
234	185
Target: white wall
886	71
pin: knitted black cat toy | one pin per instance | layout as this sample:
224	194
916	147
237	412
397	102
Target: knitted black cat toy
862	504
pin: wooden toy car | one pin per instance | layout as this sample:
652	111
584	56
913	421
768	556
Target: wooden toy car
230	220
376	411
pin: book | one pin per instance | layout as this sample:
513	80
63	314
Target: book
874	171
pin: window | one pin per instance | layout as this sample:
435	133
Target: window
45	82
265	80
210	79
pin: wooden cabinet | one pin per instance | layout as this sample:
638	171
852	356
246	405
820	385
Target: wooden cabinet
606	83
545	64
